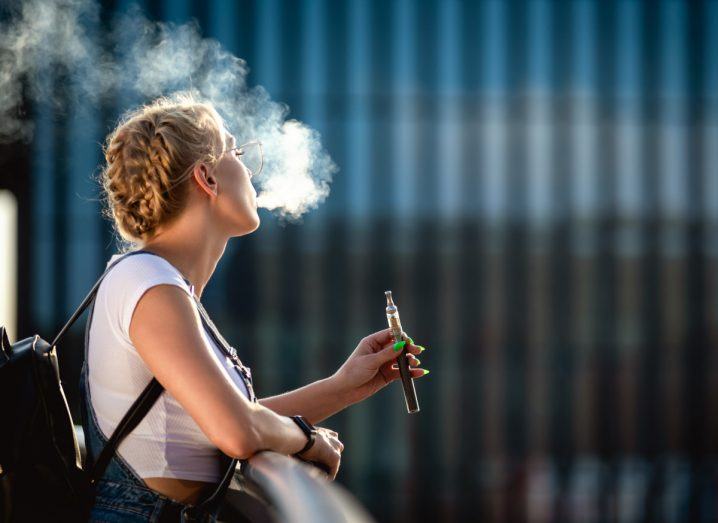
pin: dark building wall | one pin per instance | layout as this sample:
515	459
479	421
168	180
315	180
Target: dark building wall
537	182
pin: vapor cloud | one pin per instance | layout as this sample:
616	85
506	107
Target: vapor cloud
53	50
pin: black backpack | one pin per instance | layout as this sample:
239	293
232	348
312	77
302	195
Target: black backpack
42	477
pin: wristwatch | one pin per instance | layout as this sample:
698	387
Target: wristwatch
308	429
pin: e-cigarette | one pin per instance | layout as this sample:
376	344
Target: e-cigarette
392	316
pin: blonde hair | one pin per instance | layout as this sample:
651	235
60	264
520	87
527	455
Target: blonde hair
150	155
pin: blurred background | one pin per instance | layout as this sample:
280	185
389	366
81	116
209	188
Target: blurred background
537	183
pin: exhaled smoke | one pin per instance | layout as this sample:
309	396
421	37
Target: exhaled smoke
139	60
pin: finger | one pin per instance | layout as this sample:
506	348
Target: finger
385	355
378	339
335	468
408	347
393	373
325	467
413	361
334	439
414	349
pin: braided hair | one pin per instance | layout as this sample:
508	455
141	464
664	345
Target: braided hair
149	158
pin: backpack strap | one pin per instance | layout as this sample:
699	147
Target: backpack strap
142	404
127	424
88	299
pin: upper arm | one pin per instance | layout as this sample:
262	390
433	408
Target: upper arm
165	330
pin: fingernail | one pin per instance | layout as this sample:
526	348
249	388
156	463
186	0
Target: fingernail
411	342
399	345
418	361
422	349
426	371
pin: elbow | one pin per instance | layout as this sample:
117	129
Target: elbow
238	444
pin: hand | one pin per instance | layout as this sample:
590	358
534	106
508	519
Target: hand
327	451
372	366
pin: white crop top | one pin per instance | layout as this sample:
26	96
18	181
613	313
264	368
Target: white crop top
167	442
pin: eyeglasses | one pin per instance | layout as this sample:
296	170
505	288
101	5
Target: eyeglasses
251	156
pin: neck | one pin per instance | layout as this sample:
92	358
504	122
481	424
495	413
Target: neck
193	246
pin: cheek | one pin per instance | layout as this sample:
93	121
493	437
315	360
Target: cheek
248	190
236	189
243	197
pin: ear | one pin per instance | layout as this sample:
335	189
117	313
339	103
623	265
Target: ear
205	178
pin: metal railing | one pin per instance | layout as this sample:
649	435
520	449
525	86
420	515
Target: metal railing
275	488
291	491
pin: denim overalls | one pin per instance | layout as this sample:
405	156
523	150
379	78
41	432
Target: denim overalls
120	494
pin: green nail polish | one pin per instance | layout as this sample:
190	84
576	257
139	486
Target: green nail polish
411	341
418	361
426	371
399	345
422	349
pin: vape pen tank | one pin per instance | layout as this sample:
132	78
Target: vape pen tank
392	316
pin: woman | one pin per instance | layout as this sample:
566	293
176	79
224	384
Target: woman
176	187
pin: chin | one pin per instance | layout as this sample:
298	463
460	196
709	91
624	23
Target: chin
249	227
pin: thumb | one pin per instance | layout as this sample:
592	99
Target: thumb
388	353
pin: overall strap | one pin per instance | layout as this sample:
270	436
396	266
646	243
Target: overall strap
212	502
227	348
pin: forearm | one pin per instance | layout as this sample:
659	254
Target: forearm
316	401
276	432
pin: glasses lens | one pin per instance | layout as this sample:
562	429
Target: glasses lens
252	158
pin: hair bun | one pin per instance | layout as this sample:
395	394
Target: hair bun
149	157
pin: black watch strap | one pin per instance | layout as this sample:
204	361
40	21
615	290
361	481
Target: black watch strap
308	430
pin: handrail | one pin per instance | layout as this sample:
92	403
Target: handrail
275	488
297	492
